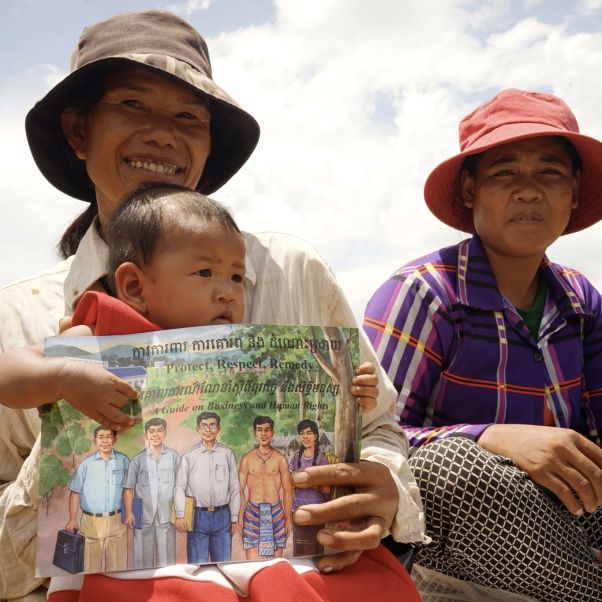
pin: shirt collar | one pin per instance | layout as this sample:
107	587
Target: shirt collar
478	288
97	456
150	453
250	273
560	291
207	450
90	265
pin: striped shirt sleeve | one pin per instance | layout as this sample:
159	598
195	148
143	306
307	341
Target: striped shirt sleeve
411	328
591	401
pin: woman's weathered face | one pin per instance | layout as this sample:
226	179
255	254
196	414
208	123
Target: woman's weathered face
145	129
521	195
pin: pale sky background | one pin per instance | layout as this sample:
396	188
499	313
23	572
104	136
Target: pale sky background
357	100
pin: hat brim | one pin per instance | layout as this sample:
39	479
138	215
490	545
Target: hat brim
234	133
443	194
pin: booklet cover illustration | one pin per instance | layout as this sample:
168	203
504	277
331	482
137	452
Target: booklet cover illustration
226	414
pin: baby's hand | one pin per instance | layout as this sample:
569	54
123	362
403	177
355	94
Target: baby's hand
365	386
97	393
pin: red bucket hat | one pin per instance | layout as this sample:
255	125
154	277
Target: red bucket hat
509	116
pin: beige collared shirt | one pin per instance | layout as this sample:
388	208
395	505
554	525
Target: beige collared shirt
286	282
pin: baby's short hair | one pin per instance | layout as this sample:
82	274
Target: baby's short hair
139	224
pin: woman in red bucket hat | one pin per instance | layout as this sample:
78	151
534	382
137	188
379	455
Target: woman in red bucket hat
496	354
140	107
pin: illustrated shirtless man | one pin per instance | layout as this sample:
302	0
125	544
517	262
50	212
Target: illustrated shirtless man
266	510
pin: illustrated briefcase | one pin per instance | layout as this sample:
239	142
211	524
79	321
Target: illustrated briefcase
69	551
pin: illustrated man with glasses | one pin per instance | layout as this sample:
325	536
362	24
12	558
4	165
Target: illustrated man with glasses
208	474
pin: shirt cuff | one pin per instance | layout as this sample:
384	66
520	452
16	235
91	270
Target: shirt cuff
474	431
409	524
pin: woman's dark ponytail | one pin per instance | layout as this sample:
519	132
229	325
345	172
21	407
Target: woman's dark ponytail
74	233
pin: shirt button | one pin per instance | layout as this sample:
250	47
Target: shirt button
560	414
538	357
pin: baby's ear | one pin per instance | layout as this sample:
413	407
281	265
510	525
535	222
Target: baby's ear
129	285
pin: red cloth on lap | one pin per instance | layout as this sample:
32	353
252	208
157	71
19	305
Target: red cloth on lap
376	576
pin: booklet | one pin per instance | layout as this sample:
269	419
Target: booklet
226	414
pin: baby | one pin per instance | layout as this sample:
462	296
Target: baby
176	260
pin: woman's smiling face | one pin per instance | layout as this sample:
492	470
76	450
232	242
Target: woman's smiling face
521	195
308	437
145	128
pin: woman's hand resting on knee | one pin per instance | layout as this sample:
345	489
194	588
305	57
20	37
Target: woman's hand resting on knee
559	459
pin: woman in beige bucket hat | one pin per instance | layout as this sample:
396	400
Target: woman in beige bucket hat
496	354
139	107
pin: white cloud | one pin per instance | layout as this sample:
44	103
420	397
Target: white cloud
588	7
189	7
32	213
329	167
354	190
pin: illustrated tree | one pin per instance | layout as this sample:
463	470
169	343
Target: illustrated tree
340	370
52	474
72	441
62	436
301	394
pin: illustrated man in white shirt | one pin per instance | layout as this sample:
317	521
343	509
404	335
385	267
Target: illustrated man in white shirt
208	474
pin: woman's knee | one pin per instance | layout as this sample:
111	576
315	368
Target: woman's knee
460	467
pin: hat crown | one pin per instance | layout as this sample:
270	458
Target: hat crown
513	107
152	32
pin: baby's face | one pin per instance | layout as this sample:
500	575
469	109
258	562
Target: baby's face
196	278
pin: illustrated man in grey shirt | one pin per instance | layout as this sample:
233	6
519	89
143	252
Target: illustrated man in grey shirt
208	473
151	477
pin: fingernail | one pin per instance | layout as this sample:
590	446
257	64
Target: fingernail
302	516
325	538
327	569
579	512
300	477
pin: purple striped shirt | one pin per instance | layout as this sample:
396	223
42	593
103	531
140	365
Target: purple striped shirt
461	357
